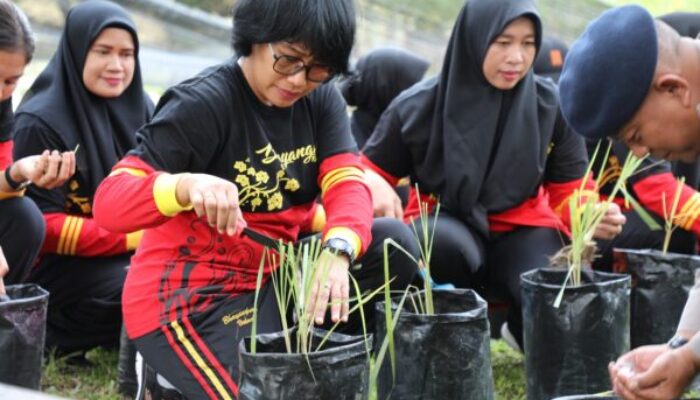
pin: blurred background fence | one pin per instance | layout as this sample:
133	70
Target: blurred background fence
178	40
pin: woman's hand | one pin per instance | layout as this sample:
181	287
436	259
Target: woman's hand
331	284
385	201
49	170
213	198
611	224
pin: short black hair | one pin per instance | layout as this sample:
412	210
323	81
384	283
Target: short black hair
15	33
326	27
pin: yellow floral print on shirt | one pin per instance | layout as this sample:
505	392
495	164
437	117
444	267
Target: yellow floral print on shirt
255	186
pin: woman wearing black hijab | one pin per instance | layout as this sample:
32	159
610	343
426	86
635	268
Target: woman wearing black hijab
379	77
486	138
89	95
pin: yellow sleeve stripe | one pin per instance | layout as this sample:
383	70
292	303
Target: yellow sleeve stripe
346	234
11	195
360	179
76	236
133	239
64	233
318	222
688	225
689	213
70	233
683	217
130	171
164	195
340	175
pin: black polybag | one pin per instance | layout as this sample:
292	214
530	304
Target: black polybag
22	335
440	356
567	349
660	287
340	368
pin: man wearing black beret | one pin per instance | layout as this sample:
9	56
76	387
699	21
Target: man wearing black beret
634	78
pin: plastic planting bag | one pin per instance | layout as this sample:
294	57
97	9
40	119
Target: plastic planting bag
22	333
567	349
340	370
660	287
440	356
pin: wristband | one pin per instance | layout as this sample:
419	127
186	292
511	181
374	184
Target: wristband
677	341
16	186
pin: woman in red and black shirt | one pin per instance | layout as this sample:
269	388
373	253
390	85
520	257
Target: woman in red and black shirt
251	142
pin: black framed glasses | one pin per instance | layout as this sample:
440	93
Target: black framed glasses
291	65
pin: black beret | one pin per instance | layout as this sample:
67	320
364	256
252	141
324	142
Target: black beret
550	58
609	71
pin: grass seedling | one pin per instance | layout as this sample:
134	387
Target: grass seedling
671	220
425	244
587	210
298	268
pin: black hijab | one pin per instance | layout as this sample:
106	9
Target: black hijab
379	77
105	128
685	23
485	148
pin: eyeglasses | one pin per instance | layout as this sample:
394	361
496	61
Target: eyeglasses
290	65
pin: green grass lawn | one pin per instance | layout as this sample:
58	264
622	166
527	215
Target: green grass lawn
100	382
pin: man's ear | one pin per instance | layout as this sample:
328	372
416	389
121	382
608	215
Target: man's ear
675	86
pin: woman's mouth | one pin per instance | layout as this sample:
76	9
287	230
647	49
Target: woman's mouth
288	95
113	81
510	76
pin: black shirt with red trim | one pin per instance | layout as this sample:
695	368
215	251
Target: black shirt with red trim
281	159
564	162
67	210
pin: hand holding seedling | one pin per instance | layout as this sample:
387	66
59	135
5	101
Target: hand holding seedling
611	224
213	198
48	170
330	286
385	201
